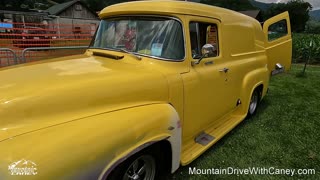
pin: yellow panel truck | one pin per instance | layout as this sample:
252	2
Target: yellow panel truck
160	83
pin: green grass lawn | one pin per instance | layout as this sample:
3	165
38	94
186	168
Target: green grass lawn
285	133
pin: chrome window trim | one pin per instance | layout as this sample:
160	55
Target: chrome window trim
156	16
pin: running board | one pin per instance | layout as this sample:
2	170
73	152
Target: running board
195	147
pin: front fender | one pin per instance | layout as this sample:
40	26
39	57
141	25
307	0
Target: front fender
89	147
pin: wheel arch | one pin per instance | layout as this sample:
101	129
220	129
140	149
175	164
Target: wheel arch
258	86
255	79
168	143
162	146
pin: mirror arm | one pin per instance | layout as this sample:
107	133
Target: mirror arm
199	60
206	50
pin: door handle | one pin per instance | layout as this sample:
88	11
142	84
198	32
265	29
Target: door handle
224	70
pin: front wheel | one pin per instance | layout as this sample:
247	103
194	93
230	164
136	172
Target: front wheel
254	102
139	167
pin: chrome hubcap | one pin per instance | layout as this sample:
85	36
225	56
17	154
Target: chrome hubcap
143	168
253	102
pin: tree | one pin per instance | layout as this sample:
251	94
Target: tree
95	5
98	5
237	5
298	11
21	5
10	4
313	27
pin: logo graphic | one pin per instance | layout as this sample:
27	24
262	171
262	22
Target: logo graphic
23	167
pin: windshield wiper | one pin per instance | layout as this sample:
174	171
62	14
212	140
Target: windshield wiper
128	52
103	54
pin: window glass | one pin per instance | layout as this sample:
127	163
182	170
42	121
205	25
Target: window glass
277	30
201	34
194	39
159	37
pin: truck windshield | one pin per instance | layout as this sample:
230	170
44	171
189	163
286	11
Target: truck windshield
149	36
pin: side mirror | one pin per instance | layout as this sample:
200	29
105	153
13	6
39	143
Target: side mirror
207	51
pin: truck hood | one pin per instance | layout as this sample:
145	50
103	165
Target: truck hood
39	95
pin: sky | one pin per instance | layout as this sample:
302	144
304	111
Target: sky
315	3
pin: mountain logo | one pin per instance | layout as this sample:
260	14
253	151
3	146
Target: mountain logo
23	167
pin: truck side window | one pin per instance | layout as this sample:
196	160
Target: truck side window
277	30
201	34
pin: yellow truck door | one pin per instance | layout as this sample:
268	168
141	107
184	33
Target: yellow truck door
278	43
206	97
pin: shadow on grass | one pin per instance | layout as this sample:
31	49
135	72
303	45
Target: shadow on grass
301	75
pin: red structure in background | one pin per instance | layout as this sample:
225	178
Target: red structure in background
18	36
